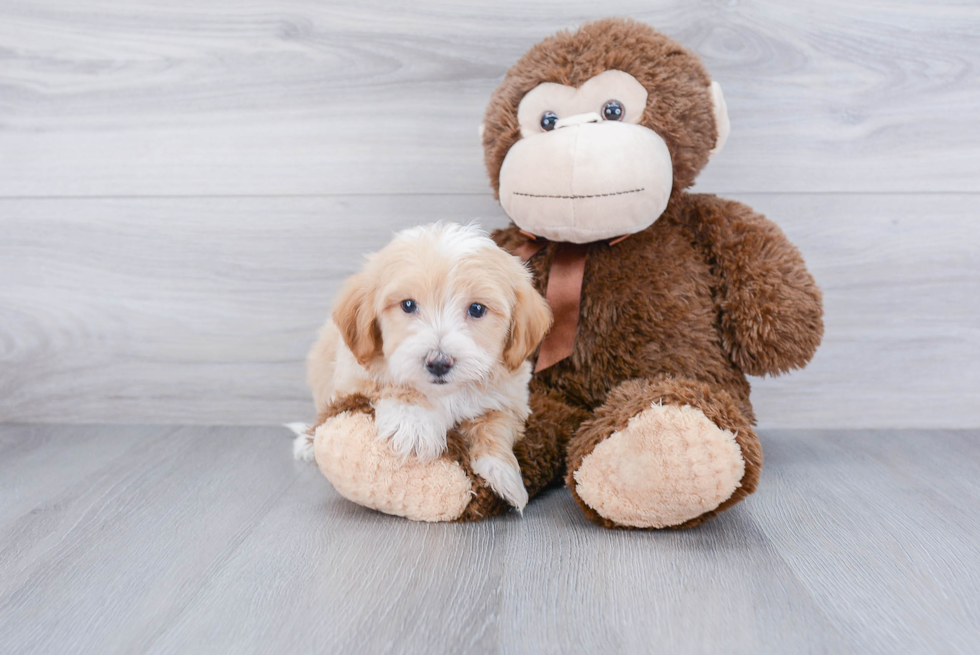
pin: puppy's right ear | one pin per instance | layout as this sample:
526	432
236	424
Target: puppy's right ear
355	318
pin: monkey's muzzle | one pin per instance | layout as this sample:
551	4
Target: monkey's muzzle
587	180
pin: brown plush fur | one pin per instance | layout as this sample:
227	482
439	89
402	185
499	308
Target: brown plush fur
353	403
678	313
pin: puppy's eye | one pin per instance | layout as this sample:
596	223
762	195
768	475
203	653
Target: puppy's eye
613	110
410	306
476	310
548	120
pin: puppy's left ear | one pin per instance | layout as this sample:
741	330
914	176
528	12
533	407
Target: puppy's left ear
530	321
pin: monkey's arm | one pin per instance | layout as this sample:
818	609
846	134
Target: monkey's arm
771	309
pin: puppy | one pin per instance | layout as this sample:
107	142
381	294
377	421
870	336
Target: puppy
437	328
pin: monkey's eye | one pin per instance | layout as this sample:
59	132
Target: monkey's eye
613	110
476	310
410	306
548	120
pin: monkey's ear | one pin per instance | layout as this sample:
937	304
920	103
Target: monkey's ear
482	129
722	124
355	318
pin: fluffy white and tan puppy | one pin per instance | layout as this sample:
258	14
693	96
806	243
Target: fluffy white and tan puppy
437	328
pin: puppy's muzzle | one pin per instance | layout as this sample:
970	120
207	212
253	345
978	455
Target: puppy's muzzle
439	364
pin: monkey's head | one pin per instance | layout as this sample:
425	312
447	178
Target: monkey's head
590	132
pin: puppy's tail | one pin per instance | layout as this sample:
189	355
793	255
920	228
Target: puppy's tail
303	443
298	428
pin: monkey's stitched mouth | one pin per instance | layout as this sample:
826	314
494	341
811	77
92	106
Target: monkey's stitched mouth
594	195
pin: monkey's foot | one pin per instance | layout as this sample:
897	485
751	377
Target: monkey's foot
668	466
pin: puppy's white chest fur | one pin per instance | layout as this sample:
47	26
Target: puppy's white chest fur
508	394
421	427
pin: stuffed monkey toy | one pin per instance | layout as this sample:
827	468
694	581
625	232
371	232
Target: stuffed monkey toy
664	300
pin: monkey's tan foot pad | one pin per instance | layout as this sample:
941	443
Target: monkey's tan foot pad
666	467
363	470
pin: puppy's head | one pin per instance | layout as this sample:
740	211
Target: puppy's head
439	307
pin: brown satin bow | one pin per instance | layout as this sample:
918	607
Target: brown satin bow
564	294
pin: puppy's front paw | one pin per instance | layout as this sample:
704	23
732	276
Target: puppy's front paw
504	478
411	429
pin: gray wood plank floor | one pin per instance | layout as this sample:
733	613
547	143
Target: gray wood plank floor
211	539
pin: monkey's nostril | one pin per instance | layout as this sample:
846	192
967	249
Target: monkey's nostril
439	365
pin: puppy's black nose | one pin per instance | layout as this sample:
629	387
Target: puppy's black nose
439	365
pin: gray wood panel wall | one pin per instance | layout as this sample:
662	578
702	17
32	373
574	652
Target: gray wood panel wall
183	185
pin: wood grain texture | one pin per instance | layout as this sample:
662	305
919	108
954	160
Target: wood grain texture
201	310
213	540
287	97
183	186
890	515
